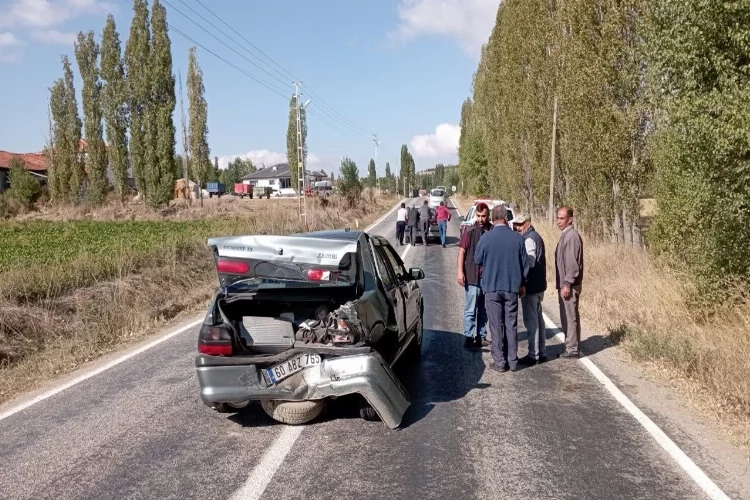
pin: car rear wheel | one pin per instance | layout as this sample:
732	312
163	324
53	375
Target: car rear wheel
415	347
293	412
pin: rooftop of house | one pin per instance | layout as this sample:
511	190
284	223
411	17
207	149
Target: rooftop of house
278	171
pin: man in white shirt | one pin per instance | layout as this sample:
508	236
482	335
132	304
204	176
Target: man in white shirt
401	216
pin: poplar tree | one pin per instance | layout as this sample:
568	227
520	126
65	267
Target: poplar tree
58	169
138	83
76	175
114	106
161	130
372	175
87	55
200	162
291	141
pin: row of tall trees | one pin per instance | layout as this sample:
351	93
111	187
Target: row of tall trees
408	171
131	97
598	103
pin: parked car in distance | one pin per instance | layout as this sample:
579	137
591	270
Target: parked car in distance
241	189
468	219
216	188
298	319
436	196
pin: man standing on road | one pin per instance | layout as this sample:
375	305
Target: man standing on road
424	221
412	219
475	314
443	215
401	223
502	256
536	284
569	280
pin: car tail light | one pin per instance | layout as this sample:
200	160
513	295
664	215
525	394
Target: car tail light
318	275
232	266
215	341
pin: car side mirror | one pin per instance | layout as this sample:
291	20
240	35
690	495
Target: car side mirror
416	273
463	218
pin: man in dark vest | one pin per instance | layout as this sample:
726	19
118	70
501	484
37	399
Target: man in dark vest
536	284
475	314
412	219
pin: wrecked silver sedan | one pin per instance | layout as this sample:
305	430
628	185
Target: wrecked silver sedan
302	318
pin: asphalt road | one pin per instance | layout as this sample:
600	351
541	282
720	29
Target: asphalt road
139	430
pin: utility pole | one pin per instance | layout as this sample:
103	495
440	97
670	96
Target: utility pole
184	145
376	142
301	198
551	208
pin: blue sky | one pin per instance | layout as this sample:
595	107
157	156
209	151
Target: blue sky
398	68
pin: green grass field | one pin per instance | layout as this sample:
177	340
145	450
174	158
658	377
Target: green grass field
44	258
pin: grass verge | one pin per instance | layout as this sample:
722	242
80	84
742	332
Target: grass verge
72	290
646	308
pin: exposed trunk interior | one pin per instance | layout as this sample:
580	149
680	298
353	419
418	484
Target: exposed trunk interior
266	322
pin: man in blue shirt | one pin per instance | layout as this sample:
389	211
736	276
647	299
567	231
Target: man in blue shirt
501	253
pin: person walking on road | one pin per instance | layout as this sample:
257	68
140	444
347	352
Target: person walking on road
401	215
501	253
569	280
536	284
412	219
443	215
475	314
424	221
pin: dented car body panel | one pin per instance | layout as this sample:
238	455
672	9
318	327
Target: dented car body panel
364	373
349	300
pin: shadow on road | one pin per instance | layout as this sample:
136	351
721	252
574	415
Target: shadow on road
445	372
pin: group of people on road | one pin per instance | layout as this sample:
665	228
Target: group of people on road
410	221
503	262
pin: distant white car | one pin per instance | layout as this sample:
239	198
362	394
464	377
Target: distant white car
436	196
468	220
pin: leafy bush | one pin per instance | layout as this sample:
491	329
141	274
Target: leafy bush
349	183
24	189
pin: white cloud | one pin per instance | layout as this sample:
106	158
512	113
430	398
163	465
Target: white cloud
54	36
442	144
469	22
49	13
9	48
267	158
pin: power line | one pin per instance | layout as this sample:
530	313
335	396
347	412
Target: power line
285	73
218	39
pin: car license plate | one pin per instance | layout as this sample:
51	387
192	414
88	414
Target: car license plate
291	366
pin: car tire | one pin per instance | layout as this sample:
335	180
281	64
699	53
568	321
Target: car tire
229	407
367	412
293	412
415	347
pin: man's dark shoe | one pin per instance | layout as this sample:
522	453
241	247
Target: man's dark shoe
469	343
527	360
569	355
501	369
515	368
542	359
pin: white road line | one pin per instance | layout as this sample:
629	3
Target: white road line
679	456
456	207
97	371
85	376
272	459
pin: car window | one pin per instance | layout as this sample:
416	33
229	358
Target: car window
384	268
510	214
396	263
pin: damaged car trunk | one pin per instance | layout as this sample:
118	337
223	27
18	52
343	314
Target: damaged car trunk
301	318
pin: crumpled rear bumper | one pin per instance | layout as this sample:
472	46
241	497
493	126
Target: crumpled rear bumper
366	374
